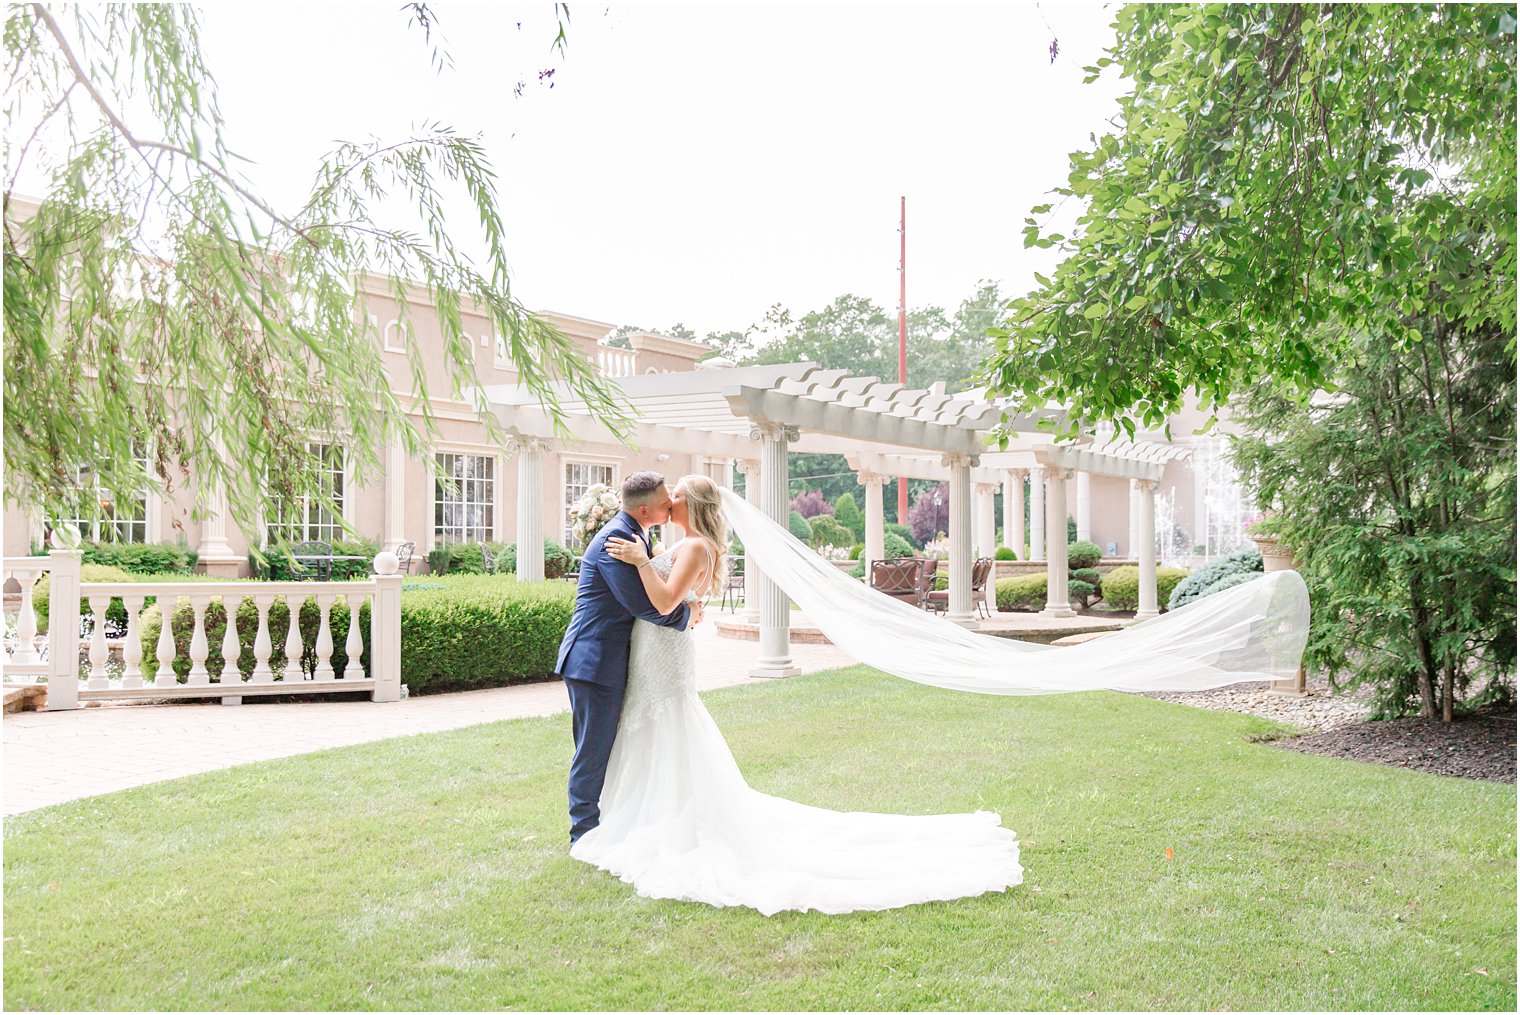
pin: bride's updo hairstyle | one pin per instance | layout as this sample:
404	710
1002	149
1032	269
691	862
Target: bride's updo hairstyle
704	510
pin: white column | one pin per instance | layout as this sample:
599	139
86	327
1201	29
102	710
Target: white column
1147	494
1037	513
876	522
1013	511
751	615
775	613
214	555
985	543
530	507
395	495
1084	505
960	539
1132	548
1057	599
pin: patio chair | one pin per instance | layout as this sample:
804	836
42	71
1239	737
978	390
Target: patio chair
981	569
311	570
900	577
487	558
733	586
404	553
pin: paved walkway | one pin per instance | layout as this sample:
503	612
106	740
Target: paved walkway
52	757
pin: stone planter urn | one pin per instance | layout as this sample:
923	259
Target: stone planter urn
1276	557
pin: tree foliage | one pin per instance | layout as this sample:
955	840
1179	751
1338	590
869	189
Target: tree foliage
156	299
1397	497
1275	168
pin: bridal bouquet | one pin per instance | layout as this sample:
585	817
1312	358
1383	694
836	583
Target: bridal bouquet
596	508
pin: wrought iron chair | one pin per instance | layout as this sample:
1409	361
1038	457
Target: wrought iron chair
311	570
404	553
901	578
733	586
487	558
981	568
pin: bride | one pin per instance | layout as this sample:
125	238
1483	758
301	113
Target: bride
678	821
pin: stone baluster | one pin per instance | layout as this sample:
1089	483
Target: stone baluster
98	649
263	646
294	646
199	650
353	645
131	649
324	670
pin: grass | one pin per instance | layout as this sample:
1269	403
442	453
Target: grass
431	872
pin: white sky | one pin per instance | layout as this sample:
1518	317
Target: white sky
699	162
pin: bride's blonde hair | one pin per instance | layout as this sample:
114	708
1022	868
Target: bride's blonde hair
704	510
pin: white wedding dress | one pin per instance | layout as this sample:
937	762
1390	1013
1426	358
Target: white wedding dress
678	821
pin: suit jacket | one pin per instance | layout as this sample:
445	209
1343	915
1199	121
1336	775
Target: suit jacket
608	597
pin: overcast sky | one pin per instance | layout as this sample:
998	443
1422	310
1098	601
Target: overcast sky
696	163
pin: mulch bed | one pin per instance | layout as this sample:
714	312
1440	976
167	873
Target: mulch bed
1480	745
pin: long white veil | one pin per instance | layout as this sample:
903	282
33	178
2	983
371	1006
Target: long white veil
1254	631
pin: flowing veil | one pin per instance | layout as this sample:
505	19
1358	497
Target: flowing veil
1254	631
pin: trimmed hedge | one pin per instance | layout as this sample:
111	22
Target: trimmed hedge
800	527
892	545
1083	554
1204	580
1025	592
116	612
1121	586
142	558
1004	553
557	559
904	533
459	633
828	532
465	558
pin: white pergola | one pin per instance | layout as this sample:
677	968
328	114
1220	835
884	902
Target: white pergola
757	415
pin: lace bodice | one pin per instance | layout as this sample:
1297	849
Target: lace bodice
665	563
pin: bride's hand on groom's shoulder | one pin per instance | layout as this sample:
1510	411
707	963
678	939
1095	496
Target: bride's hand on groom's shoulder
629	551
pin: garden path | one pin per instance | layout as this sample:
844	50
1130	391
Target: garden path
53	757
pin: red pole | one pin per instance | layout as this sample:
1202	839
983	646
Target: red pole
902	341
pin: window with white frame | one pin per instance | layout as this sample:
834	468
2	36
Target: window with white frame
466	514
123	521
303	518
580	477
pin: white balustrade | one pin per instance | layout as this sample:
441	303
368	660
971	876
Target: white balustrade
60	664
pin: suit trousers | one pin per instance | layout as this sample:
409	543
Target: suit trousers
594	713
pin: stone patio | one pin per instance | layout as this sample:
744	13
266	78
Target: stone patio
53	757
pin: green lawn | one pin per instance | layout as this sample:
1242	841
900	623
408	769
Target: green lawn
431	872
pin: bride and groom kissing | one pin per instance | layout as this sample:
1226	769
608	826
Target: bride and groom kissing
656	797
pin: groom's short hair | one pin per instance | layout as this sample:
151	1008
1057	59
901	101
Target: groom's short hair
639	488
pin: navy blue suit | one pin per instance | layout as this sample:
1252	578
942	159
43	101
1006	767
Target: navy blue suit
593	660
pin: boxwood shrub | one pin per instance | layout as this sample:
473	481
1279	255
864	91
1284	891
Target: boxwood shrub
1024	592
1121	586
892	545
557	559
1082	554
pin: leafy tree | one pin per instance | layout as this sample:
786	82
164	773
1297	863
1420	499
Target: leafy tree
1275	168
1397	496
811	503
930	513
154	294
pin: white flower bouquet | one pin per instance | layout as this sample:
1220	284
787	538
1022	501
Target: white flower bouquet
831	552
598	506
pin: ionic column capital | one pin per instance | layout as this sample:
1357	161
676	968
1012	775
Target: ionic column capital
519	444
869	478
1146	485
762	430
1058	472
960	460
748	466
986	489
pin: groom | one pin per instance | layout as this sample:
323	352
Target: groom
593	658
